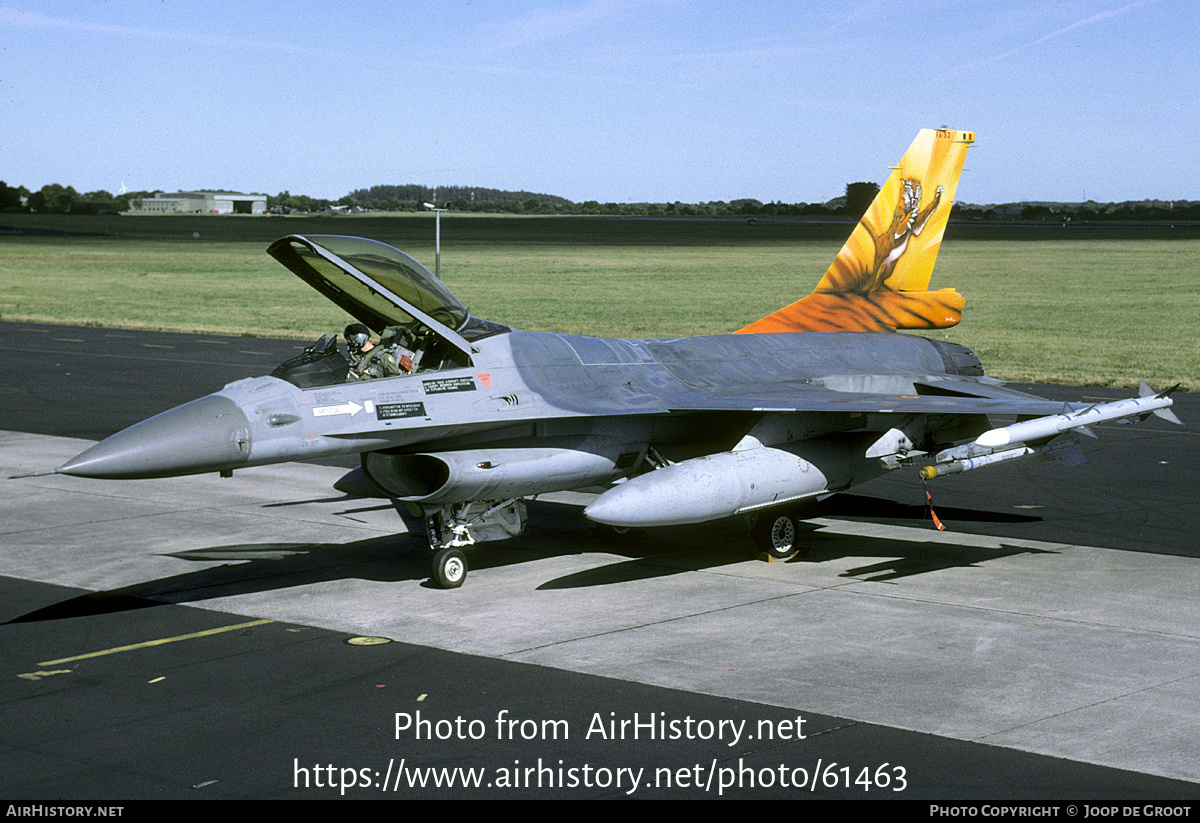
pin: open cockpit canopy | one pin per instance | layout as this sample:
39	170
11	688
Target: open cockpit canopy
376	284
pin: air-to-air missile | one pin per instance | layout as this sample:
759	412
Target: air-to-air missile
1051	435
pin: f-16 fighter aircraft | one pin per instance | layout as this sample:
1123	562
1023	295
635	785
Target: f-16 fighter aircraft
464	419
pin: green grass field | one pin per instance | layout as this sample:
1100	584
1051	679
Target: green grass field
1088	305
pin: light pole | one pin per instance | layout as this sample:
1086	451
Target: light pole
437	248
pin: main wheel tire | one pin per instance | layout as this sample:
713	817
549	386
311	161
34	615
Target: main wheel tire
449	568
777	535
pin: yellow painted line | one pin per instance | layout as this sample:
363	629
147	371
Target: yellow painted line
160	642
35	676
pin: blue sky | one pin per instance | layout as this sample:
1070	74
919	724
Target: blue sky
611	100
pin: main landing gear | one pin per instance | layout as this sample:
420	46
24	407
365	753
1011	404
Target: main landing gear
777	535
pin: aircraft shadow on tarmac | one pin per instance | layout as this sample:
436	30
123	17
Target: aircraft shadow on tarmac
898	558
863	507
556	529
666	551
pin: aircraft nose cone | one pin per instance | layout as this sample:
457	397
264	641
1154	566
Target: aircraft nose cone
209	434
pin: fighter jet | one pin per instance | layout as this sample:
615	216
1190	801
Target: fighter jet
464	420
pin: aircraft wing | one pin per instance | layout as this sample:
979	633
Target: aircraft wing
770	468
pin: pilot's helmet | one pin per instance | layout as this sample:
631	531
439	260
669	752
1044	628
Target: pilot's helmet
357	335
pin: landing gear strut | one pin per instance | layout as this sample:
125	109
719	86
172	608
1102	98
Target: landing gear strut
452	526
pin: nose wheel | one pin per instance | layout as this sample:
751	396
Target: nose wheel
449	568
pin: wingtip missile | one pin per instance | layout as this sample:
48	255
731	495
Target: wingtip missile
1042	428
1049	435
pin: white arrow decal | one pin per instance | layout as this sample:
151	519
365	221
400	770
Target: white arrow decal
350	408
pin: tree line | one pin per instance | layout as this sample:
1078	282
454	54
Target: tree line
59	199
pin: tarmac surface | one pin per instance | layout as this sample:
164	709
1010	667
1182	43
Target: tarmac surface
265	636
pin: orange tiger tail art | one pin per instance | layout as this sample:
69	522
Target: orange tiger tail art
879	280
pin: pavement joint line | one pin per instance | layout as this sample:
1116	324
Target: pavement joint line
163	513
60	526
1056	618
639	626
1085	706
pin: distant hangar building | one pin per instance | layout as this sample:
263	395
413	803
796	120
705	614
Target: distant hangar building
202	202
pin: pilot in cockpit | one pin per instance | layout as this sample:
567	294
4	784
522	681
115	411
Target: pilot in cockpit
393	355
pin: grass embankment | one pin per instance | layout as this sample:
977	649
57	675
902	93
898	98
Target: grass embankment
1092	306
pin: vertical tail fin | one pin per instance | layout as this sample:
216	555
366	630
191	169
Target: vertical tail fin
879	280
